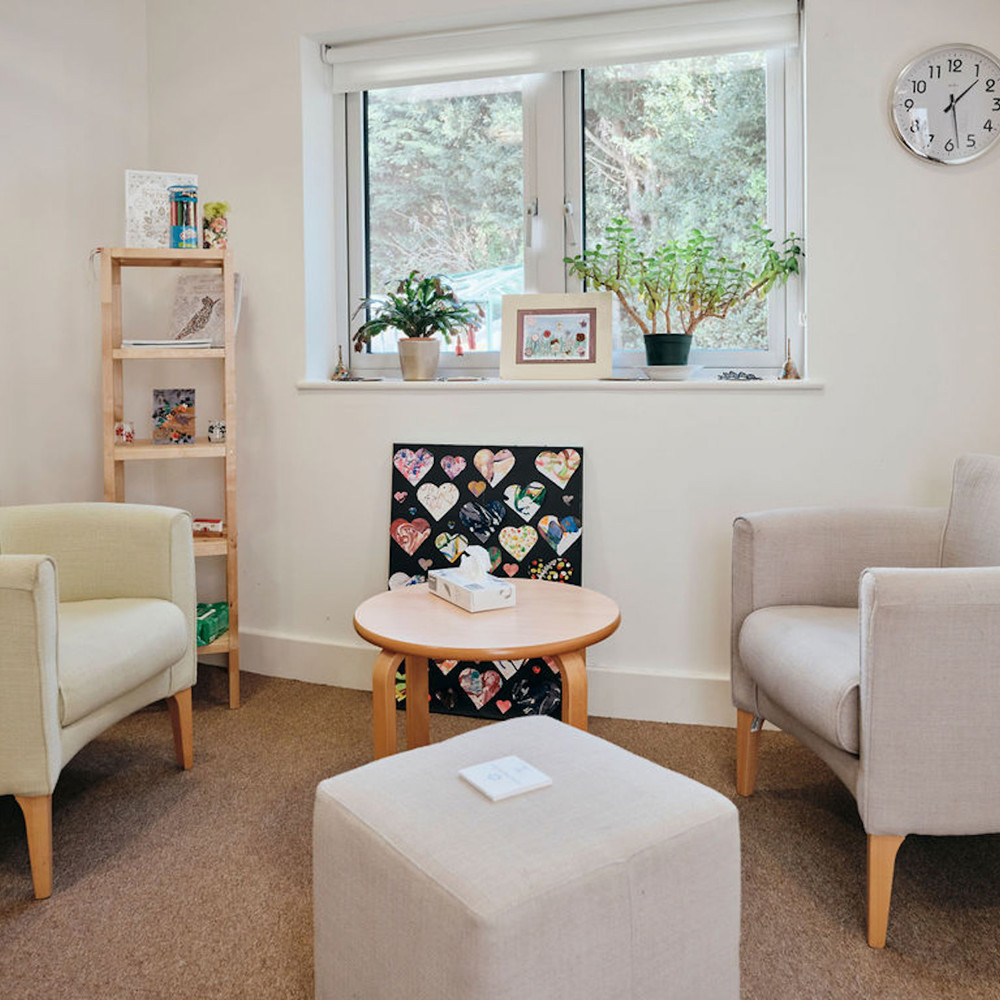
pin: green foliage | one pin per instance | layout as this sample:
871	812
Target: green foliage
445	180
685	281
420	306
215	210
676	146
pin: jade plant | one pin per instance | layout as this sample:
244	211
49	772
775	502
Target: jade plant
677	286
420	306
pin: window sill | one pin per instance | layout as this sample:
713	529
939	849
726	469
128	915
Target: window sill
594	385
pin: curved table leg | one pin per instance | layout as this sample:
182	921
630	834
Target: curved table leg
418	721
384	701
573	668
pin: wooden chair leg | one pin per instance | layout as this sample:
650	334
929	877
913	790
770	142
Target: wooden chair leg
881	865
37	811
748	727
181	721
384	701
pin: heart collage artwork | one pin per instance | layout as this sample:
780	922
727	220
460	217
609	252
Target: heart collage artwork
524	506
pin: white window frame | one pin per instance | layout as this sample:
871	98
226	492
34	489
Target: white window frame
552	135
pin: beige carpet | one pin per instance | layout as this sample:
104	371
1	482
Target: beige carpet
197	884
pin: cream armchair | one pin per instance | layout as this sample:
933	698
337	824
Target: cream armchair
891	675
97	605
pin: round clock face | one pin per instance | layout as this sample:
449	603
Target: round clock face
946	104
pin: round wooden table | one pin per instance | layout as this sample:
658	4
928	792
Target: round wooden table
549	619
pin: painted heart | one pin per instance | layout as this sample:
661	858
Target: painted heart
438	499
495	556
525	500
398	580
409	535
425	564
568	498
451	546
508	668
560	570
482	519
480	687
452	465
400	495
518	541
493	465
414	465
446	666
559	534
503	705
558	466
511	568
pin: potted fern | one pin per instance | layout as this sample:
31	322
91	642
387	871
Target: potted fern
420	307
669	291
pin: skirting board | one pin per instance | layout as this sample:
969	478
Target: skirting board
617	694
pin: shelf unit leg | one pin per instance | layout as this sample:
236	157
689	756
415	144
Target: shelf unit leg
234	678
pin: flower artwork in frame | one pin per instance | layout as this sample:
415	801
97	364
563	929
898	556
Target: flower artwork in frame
556	336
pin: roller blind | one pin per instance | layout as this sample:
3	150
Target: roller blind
683	29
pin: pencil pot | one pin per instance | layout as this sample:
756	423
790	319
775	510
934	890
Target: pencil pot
184	216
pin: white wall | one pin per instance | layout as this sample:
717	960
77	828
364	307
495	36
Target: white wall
902	330
73	116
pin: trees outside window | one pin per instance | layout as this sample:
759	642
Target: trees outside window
451	174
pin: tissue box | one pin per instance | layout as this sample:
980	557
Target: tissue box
486	596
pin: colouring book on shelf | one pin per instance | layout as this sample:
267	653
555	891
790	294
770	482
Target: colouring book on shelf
198	312
524	505
147	206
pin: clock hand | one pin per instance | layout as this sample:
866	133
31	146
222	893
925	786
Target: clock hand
951	104
955	100
954	118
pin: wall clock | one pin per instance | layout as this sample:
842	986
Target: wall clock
946	104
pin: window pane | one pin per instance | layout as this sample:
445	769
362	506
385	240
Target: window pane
680	145
444	191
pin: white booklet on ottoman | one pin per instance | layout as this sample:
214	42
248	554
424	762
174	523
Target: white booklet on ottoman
502	778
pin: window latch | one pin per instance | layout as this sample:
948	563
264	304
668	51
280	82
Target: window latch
531	213
570	224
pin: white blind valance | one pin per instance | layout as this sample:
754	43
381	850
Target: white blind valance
564	43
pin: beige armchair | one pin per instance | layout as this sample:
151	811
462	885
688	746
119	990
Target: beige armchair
873	636
97	605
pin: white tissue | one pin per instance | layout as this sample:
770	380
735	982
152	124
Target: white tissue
475	565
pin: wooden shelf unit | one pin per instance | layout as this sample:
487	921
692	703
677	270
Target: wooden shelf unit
113	259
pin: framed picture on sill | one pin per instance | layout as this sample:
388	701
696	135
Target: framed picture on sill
559	336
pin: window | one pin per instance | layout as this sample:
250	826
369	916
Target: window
493	181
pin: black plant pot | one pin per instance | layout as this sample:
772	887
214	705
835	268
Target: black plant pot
667	348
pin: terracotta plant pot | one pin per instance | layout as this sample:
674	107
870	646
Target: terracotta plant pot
418	358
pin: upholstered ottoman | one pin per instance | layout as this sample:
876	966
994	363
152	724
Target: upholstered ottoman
620	880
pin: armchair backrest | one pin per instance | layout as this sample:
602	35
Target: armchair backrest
972	531
107	549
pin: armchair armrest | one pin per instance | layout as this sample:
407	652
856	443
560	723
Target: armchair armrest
930	700
106	550
30	755
815	555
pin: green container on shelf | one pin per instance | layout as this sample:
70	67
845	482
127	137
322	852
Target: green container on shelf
212	620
